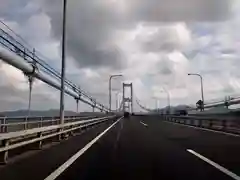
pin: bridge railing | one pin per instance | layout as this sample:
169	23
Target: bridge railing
220	124
11	124
34	138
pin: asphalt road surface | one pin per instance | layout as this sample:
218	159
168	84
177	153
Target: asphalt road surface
141	147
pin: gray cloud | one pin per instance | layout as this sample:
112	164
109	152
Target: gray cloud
91	25
228	89
228	51
22	10
90	28
164	39
166	71
165	67
180	10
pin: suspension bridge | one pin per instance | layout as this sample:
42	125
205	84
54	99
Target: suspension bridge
108	145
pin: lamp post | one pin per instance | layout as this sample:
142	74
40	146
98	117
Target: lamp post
63	63
117	103
156	103
110	88
168	99
194	74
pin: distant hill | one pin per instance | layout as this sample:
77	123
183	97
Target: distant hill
174	108
51	112
181	107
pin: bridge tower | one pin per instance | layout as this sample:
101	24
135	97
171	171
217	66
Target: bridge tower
127	102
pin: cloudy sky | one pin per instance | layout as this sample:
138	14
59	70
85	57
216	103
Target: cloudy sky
153	43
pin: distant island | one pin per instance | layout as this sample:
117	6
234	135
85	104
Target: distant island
51	112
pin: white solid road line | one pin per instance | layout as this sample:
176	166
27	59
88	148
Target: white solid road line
224	170
118	135
205	129
143	123
69	162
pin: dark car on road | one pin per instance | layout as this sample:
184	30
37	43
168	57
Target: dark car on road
126	114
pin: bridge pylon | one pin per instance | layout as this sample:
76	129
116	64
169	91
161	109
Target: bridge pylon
127	102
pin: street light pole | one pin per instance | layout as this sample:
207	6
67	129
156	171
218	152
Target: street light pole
110	88
168	99
77	101
194	74
30	79
156	103
117	93
63	62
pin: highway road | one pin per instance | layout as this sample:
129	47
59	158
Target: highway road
141	147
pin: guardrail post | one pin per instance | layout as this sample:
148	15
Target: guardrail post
41	121
73	119
200	123
190	122
37	145
4	156
40	142
60	136
5	128
71	132
224	123
52	122
2	126
211	123
25	124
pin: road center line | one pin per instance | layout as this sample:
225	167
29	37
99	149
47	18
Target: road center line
143	123
118	135
70	161
204	129
217	166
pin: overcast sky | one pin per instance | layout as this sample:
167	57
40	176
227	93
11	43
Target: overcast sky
153	43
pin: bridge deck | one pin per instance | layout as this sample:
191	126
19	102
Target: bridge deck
136	148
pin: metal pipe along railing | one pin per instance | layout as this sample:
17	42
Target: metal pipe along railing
19	63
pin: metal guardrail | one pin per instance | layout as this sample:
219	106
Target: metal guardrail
11	124
220	124
36	136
